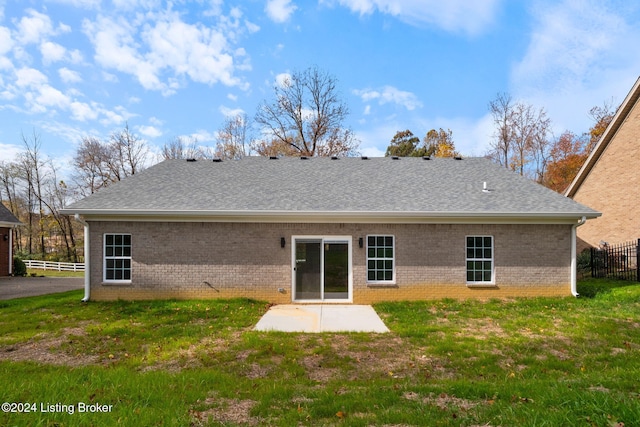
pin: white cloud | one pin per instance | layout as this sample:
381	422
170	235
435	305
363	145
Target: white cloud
390	94
29	77
471	17
280	10
150	131
34	27
82	112
577	57
283	79
51	52
6	42
69	76
167	50
230	112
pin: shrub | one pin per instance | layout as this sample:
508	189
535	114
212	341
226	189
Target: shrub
19	267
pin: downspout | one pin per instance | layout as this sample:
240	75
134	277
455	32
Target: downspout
574	262
87	257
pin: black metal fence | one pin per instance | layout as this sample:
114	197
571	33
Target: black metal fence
616	261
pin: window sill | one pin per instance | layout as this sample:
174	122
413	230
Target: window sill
481	285
382	285
127	283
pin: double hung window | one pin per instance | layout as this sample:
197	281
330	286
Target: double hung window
480	260
117	258
380	259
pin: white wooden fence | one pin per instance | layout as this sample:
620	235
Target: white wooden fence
49	265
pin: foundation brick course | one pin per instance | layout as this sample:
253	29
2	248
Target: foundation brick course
224	260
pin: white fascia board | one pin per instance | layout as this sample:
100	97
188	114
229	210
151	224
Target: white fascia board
334	217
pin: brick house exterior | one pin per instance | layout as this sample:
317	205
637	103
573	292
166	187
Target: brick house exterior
610	178
7	222
274	240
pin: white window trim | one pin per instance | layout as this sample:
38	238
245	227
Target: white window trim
493	263
393	260
104	260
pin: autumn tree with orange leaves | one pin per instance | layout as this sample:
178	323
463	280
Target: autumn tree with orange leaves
567	156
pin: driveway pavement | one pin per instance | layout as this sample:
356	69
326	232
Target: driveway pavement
18	287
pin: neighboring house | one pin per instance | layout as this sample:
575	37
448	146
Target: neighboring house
610	178
7	222
329	230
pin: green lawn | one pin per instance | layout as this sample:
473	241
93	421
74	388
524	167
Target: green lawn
524	362
53	273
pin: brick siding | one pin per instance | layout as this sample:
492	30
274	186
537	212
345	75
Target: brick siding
224	260
611	188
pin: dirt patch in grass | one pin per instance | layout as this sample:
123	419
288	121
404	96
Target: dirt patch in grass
225	411
46	348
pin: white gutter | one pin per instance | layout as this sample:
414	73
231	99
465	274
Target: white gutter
87	256
574	262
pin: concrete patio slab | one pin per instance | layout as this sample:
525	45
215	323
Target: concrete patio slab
321	318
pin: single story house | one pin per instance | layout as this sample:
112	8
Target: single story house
610	177
347	230
7	222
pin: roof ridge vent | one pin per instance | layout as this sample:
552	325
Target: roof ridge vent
304	158
395	158
216	160
273	157
334	157
458	158
191	160
364	158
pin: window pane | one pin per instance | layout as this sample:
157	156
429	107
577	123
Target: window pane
126	239
469	242
371	264
388	265
380	275
380	264
487	242
371	241
487	276
478	242
388	253
380	241
388	275
108	251
118	251
371	275
380	253
126	251
371	252
487	253
469	276
388	241
109	239
118	239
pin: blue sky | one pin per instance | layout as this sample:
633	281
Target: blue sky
75	68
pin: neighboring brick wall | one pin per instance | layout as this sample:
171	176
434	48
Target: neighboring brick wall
174	260
611	188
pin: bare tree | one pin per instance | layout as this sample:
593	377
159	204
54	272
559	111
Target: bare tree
98	164
128	154
233	141
178	148
308	115
501	110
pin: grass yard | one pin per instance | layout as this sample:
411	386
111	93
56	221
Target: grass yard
524	362
53	273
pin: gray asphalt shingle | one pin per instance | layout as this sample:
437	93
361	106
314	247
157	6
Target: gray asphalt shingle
258	184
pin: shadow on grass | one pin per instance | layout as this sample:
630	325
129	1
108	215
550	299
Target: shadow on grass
591	287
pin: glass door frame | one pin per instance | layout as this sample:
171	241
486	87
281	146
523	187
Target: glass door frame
323	240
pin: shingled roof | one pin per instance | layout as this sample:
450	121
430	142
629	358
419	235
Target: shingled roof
7	219
328	188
